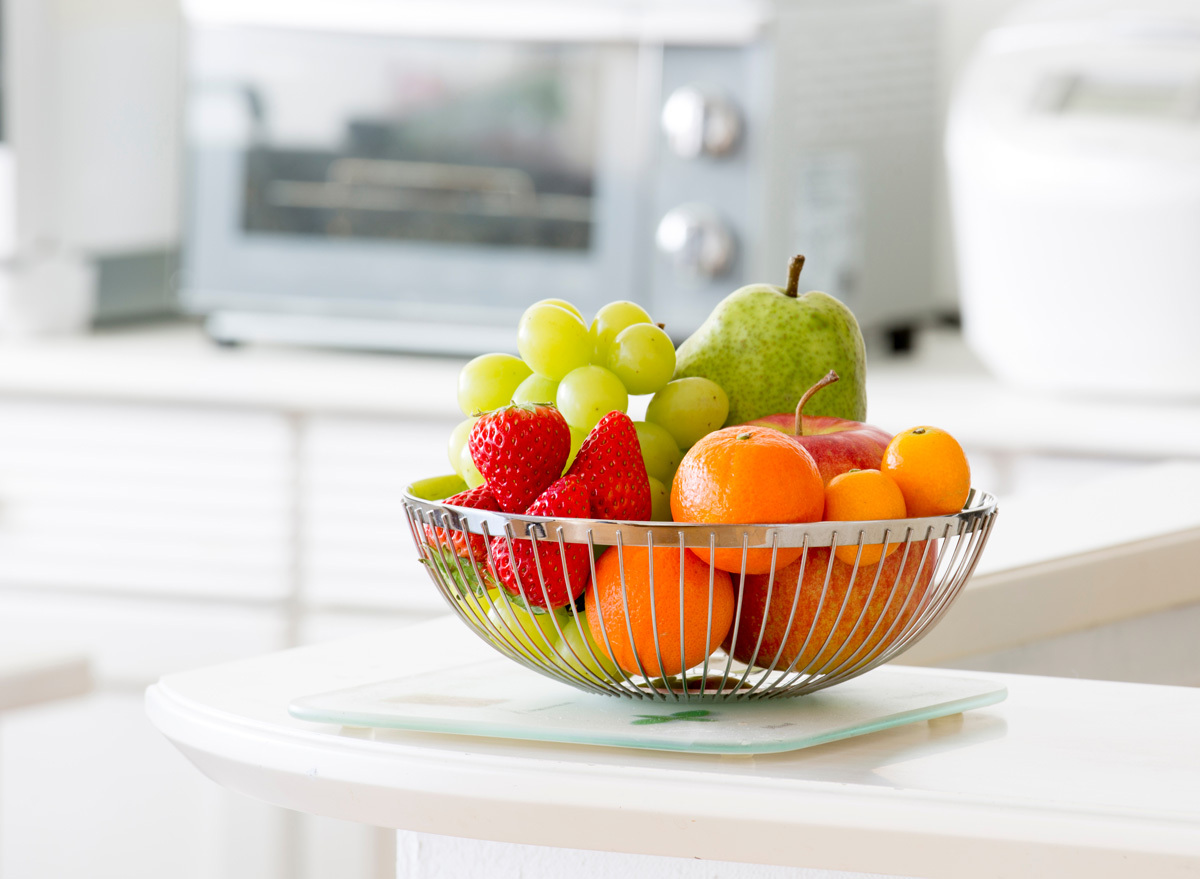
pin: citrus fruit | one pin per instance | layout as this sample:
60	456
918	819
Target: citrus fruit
644	627
931	469
860	495
745	475
808	625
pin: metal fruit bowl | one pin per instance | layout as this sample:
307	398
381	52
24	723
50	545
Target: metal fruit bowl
829	626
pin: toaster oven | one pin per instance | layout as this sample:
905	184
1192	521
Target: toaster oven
411	176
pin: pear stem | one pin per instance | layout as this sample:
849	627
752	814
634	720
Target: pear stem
795	267
828	379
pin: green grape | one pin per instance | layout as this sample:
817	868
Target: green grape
536	389
530	633
467	469
660	501
660	452
642	356
587	394
477	606
552	340
609	321
572	650
458	441
689	408
562	303
578	435
488	382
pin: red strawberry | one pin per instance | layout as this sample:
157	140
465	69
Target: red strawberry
472	546
567	498
610	464
520	449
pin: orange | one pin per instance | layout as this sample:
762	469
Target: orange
931	469
747	475
655	616
861	495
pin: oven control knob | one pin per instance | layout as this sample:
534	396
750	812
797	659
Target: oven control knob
697	124
697	240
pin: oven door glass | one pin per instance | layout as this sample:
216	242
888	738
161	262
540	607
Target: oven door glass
359	174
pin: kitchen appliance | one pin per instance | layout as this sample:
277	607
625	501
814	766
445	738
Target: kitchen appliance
412	176
1074	157
89	163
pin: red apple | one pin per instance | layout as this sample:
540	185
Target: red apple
836	444
882	619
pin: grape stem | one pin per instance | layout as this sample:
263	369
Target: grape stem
795	267
828	379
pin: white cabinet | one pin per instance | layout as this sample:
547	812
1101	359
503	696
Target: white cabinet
156	538
357	548
129	498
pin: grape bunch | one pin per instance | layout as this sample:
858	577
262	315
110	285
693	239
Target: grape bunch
586	371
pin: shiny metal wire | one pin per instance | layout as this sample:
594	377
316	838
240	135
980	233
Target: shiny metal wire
835	627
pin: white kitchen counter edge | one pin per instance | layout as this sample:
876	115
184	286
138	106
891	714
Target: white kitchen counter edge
641	802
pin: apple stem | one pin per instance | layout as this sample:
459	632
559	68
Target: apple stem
828	379
795	267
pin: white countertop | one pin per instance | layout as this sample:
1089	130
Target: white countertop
1117	548
177	364
942	383
1063	778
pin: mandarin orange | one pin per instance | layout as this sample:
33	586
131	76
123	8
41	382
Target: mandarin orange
862	495
747	475
640	626
931	469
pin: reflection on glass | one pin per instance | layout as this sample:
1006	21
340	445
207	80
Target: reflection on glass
453	142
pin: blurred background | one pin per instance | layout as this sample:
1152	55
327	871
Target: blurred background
246	246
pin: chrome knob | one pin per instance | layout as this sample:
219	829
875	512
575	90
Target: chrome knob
697	124
696	240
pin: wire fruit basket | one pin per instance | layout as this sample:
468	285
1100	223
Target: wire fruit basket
821	618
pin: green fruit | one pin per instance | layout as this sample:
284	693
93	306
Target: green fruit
587	394
609	321
660	501
578	435
660	452
561	303
536	389
689	408
467	469
578	651
459	437
552	340
488	382
766	345
642	356
532	634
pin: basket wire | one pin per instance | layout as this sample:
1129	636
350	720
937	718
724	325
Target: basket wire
876	619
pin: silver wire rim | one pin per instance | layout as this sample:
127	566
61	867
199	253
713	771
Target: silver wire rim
876	620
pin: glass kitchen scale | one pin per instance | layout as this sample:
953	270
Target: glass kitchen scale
497	698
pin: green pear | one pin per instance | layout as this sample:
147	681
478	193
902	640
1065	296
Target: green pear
766	345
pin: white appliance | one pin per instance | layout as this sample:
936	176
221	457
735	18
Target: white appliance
89	161
1073	145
